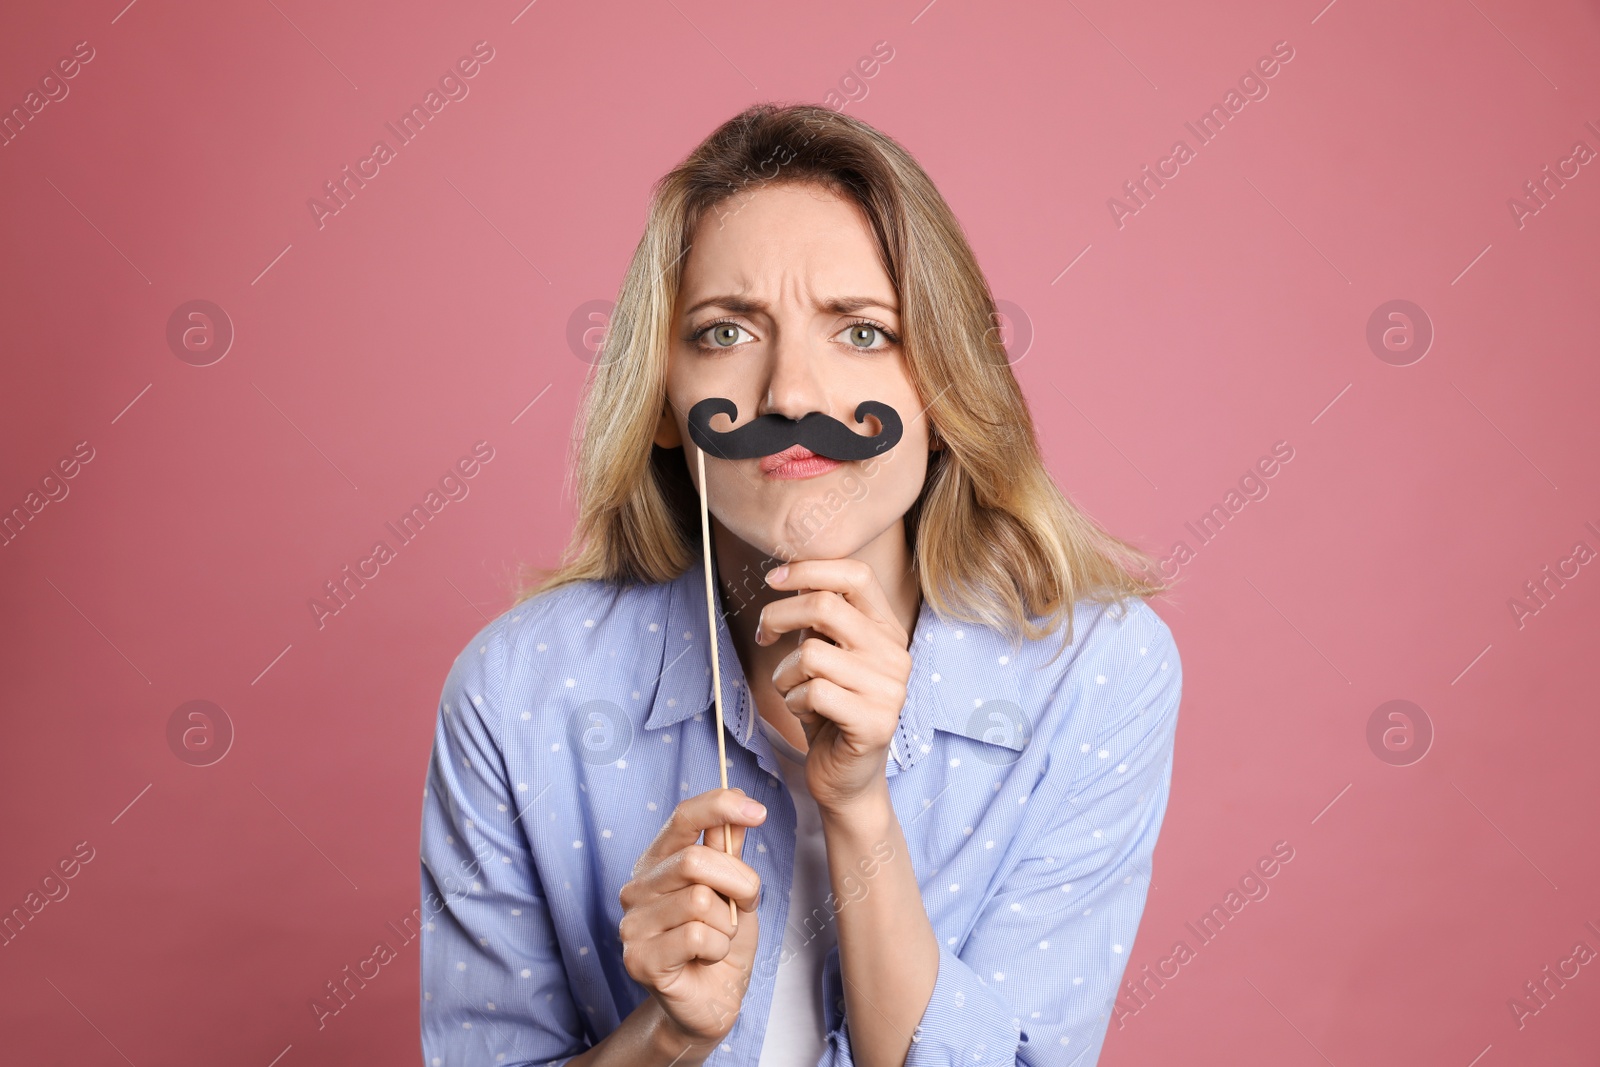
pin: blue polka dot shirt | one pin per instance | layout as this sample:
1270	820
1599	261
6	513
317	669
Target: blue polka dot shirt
1030	794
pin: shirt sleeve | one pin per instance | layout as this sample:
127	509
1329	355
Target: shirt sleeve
494	987
1035	982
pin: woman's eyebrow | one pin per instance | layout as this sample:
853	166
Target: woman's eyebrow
839	305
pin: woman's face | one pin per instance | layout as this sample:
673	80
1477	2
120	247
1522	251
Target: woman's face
785	308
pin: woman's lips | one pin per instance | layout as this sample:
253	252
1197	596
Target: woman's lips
797	462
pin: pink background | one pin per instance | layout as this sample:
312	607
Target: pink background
1228	314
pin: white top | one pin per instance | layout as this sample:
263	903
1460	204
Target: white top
795	1035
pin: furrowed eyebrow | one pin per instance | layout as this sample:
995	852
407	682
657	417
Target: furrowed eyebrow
849	305
839	305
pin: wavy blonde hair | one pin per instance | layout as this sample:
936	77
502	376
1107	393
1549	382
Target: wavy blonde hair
992	538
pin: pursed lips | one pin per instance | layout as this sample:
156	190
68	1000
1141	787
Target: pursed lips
797	455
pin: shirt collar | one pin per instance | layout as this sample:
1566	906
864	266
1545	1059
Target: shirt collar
964	676
685	665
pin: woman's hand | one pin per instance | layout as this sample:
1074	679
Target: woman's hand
847	694
678	940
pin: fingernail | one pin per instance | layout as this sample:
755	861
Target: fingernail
754	808
777	574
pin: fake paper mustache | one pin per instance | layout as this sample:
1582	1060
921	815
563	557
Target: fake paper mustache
766	435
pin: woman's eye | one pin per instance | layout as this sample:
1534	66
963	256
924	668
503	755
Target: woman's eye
723	335
861	335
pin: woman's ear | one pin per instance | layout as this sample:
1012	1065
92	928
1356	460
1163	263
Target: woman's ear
667	435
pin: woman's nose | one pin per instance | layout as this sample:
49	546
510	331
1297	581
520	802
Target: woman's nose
794	385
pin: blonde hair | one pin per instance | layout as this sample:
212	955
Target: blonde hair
992	538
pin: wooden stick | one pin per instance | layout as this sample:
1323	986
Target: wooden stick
716	673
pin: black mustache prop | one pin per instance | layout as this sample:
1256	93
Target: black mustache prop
767	435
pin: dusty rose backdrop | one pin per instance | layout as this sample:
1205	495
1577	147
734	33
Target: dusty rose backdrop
1334	361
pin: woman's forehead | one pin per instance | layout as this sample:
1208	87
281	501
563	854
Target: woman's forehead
833	285
784	242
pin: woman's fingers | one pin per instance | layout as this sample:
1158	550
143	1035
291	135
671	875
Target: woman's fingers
848	670
712	838
660	938
854	580
692	903
827	613
668	952
673	914
692	818
704	865
695	864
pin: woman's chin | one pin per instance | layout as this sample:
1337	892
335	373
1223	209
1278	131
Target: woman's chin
812	545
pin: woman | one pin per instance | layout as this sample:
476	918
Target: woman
951	847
